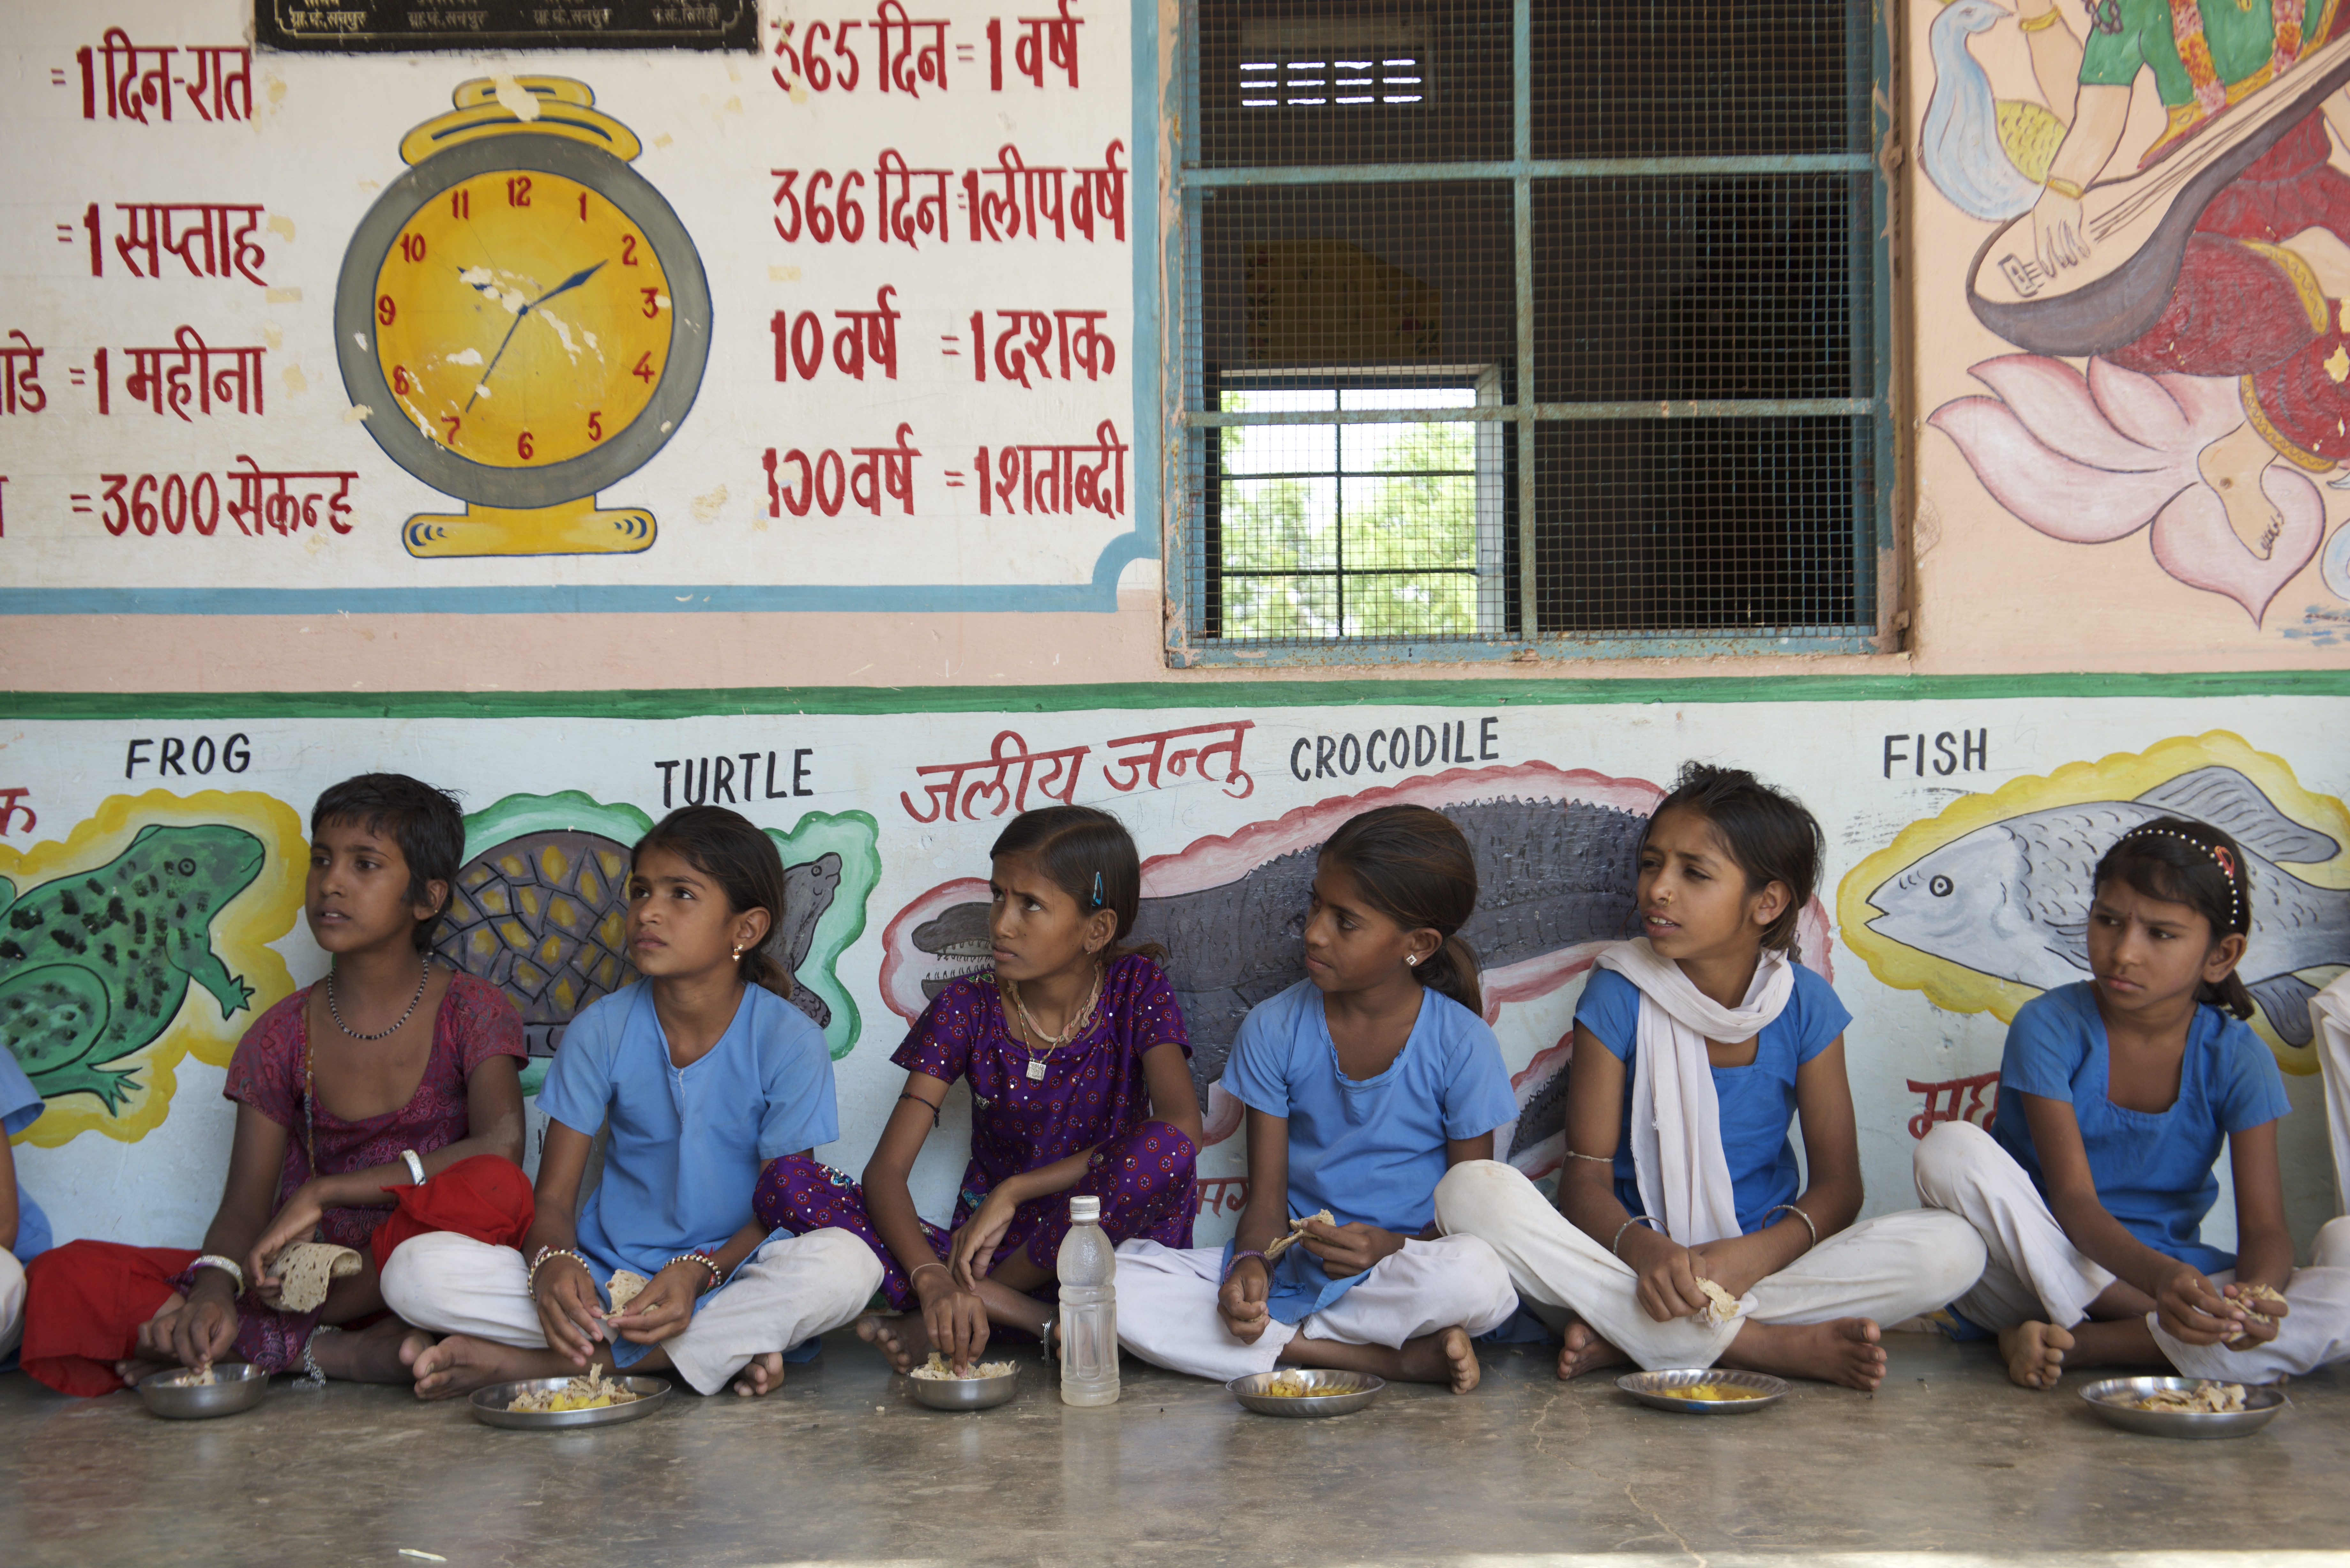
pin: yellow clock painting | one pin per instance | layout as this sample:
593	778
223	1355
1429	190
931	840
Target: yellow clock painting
525	320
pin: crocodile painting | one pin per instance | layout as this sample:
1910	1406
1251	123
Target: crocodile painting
94	965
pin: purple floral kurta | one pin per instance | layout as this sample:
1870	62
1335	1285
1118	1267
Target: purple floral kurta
1094	1092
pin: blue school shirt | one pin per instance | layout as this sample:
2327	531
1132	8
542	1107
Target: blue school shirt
687	1144
20	1107
2153	1171
1370	1151
1758	1100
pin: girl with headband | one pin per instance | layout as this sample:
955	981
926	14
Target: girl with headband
2115	1096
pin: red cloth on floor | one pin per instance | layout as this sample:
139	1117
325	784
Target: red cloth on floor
486	1197
83	1304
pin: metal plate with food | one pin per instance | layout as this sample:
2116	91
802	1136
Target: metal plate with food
984	1387
184	1394
2183	1406
545	1404
1305	1391
1703	1390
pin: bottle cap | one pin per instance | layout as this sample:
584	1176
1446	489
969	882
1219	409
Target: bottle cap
1085	1210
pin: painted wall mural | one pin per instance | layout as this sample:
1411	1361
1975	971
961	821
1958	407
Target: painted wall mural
2158	197
1986	905
138	939
450	332
1940	817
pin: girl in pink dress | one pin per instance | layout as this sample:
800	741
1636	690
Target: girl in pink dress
383	1078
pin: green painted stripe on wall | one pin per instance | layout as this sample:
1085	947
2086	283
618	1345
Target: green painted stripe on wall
774	700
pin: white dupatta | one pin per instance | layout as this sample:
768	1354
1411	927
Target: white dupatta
1676	1156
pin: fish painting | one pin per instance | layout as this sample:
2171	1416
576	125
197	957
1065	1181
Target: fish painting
1558	853
2007	899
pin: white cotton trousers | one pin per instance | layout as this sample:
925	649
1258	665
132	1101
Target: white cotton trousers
12	1302
793	1288
1167	1304
2329	1017
1887	1269
2036	1274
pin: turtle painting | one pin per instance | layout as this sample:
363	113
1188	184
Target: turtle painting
94	965
544	917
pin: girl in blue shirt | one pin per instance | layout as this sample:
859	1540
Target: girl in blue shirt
24	1229
1364	1082
706	1073
2115	1095
1687	1236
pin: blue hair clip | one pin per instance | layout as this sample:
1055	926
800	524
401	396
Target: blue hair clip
1098	890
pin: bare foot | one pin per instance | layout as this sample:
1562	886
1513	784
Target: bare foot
413	1343
1445	1356
2232	467
764	1374
378	1353
1845	1351
2034	1354
1584	1351
904	1338
459	1364
130	1371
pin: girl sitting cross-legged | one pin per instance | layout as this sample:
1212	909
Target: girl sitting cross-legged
706	1072
395	1080
1694	1045
1076	1058
2114	1095
1363	1081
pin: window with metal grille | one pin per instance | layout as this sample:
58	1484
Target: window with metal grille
1512	326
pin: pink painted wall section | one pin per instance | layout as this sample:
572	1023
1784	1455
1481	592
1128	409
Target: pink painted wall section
2130	369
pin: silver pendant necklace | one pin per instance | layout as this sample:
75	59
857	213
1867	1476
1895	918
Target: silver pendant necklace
422	982
1077	1022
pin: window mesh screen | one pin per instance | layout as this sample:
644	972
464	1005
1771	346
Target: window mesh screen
1652	525
1633	78
1695	288
1685	347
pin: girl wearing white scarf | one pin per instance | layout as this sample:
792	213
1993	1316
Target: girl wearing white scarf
1679	1237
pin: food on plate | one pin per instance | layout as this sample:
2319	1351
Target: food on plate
592	1392
936	1370
1289	1383
2209	1398
1297	1234
624	1288
1720	1305
199	1379
306	1268
1711	1393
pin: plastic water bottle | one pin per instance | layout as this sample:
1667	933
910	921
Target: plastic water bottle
1088	1321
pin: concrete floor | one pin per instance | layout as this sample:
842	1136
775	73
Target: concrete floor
844	1468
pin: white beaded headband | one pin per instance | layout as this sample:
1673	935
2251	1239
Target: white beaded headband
2220	855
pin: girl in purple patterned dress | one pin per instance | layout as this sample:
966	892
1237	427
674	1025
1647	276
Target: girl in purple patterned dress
423	1064
1078	1060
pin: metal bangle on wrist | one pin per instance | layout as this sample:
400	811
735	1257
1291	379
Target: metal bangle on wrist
1239	1257
1617	1238
1799	1214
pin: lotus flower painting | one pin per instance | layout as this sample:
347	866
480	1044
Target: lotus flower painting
2094	457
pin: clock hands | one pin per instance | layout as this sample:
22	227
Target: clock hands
566	287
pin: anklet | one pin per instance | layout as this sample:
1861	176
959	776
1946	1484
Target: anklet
1791	1209
310	1372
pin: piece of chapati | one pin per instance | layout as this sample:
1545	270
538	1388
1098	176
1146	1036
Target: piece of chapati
1720	1305
307	1269
623	1289
1297	1234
